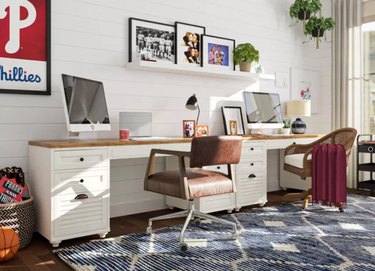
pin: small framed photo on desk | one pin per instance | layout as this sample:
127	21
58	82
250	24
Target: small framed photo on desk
201	130
233	121
188	128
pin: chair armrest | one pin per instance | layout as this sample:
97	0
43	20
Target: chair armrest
298	148
181	164
179	154
171	152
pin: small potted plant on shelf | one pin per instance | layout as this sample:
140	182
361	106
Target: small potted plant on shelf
286	128
302	9
316	27
244	54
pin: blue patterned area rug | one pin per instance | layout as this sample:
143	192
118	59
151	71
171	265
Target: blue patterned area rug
277	238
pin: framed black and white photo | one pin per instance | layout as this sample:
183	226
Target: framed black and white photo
217	52
233	120
188	44
151	41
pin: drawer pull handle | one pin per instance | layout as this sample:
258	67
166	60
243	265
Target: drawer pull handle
251	149
252	164
81	196
370	149
81	181
81	159
252	176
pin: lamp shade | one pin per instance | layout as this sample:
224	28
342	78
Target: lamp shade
192	103
298	108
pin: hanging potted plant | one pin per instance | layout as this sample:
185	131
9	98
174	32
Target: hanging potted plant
244	54
316	27
302	10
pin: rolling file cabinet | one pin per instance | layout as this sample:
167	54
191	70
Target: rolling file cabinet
72	192
251	175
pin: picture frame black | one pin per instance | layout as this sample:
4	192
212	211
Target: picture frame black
34	67
233	113
184	45
226	64
147	52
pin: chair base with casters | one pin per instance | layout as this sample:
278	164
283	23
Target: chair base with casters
191	215
195	182
298	159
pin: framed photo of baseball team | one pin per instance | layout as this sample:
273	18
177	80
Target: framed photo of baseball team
181	44
151	41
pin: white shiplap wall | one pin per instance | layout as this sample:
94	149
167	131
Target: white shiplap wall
90	39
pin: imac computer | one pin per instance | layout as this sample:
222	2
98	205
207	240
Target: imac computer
85	105
263	110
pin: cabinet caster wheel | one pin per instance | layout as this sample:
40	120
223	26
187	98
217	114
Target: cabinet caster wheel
197	222
55	245
149	230
103	235
229	211
237	209
183	247
170	207
341	210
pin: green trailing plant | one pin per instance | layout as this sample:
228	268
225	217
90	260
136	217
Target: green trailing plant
316	27
245	52
311	6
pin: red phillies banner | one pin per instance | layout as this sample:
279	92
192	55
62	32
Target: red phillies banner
24	30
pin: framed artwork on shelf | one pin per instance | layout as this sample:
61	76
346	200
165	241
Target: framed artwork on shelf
305	85
188	44
233	121
188	127
25	47
151	41
217	52
201	130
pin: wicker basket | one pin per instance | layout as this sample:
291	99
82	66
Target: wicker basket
20	217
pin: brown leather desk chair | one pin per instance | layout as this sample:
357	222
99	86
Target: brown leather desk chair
297	157
196	182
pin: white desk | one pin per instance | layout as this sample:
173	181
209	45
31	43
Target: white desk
71	180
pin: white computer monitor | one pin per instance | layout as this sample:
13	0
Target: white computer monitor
263	110
85	105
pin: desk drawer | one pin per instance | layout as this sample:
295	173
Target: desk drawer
251	164
80	182
250	149
80	159
244	181
77	217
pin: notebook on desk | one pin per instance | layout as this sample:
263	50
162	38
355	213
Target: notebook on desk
139	124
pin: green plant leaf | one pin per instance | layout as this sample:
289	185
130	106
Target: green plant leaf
245	52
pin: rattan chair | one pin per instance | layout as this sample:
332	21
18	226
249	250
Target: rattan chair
298	157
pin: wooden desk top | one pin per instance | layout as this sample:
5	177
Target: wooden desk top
116	142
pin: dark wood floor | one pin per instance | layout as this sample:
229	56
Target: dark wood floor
38	255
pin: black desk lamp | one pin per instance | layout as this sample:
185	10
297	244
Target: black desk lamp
192	104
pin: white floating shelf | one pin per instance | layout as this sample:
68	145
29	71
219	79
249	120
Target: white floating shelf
199	71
